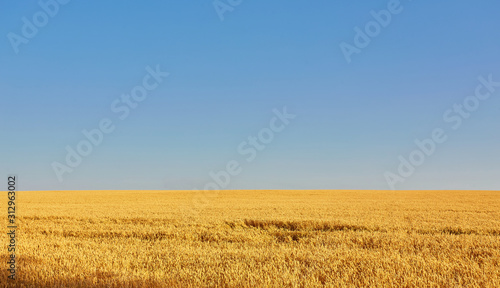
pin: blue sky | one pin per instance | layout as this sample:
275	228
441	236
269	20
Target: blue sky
353	120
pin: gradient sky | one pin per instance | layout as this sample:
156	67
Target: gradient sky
353	119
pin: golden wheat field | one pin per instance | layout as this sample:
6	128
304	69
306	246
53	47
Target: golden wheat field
257	238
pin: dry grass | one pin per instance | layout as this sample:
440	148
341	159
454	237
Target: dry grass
257	239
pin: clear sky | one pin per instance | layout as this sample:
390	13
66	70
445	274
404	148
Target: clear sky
62	66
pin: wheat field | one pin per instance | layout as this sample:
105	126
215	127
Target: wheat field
256	238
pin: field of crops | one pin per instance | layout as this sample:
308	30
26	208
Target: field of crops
257	238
